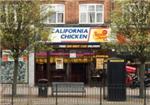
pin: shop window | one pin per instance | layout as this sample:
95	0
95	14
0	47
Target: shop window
55	13
91	13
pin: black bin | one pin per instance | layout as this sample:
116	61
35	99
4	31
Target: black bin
43	87
116	79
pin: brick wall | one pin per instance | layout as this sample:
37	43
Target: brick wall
107	6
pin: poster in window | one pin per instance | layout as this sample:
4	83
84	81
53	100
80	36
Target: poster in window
99	63
73	55
59	63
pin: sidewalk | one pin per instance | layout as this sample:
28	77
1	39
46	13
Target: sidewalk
29	96
67	101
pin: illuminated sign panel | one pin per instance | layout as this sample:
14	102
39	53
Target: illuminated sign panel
79	46
79	34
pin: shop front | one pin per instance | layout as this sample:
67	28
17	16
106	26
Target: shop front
76	57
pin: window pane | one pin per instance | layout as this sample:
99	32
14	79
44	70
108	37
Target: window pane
2	12
91	17
44	8
52	18
99	8
99	17
91	8
58	13
83	8
83	18
51	7
91	13
59	8
60	17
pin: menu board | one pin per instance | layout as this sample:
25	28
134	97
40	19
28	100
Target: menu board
99	63
59	63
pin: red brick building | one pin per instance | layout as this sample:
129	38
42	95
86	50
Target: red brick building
78	29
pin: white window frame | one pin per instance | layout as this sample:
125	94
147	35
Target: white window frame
86	12
6	11
1	11
55	10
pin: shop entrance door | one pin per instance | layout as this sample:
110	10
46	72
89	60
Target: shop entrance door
78	72
40	72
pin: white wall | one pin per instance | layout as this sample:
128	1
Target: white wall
0	92
31	69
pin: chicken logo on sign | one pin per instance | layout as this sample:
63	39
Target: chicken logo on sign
99	35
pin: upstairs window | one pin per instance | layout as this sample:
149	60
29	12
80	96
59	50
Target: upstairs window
8	13
55	13
2	13
91	13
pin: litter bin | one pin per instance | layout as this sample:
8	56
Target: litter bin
116	77
43	87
